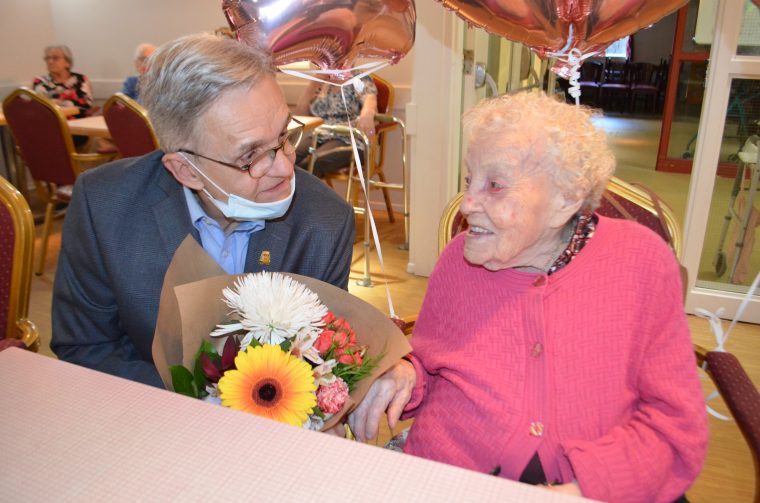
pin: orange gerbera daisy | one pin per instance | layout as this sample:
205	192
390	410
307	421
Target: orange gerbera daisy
270	383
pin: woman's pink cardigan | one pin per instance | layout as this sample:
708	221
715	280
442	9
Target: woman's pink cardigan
593	367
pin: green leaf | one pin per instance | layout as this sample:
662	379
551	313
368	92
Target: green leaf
199	379
208	348
285	345
182	381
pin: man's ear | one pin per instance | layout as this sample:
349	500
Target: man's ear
565	208
182	171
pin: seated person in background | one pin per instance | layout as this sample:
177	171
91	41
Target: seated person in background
552	345
225	176
64	87
131	86
325	101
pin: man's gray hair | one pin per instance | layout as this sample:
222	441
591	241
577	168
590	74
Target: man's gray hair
67	55
186	76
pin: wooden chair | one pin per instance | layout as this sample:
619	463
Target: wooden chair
740	395
44	143
16	250
645	83
129	126
615	84
590	81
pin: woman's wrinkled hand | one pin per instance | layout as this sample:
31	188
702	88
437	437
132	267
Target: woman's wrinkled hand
366	123
390	393
571	488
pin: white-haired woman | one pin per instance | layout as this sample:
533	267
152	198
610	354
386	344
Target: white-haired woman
60	84
552	345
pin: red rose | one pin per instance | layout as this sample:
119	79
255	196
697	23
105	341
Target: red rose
324	341
328	318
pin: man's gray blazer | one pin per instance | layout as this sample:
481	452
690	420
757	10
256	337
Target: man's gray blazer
124	223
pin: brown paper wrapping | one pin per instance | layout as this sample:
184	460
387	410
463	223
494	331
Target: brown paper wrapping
191	306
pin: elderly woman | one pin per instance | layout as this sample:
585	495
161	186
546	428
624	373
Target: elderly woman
64	87
552	345
326	101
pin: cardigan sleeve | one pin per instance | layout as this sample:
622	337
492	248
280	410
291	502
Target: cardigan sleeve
658	453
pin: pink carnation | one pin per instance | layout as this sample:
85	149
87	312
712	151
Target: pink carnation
330	399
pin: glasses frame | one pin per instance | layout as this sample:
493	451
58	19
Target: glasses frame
270	152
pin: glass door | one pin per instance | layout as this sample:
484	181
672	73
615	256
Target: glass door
723	215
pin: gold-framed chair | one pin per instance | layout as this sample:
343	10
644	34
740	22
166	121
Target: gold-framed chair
741	397
16	250
620	200
129	126
44	143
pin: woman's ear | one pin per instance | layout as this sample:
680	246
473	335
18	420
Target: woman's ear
564	209
180	168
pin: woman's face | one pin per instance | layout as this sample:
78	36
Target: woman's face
56	62
511	209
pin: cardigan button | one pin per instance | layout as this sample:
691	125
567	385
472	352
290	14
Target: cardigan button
536	429
539	281
537	350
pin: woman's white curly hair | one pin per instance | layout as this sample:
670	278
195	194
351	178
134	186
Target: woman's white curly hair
540	133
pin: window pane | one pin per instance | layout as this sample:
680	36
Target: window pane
730	256
749	36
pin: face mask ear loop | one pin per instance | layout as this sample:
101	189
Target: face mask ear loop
209	180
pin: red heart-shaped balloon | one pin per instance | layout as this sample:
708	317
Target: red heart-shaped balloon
332	34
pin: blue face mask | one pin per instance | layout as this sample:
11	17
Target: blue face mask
244	210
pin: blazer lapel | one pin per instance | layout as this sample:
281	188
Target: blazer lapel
268	245
171	213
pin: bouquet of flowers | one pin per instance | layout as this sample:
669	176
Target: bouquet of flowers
296	362
282	346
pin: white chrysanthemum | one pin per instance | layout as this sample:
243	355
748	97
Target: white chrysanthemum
272	307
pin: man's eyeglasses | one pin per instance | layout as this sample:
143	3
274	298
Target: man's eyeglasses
262	161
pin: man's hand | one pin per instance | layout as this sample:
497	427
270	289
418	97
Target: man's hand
391	392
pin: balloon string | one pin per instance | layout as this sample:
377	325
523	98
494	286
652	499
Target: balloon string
574	60
368	210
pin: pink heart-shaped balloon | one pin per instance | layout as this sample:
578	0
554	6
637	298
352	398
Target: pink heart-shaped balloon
545	25
332	34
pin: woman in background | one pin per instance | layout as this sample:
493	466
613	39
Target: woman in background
325	101
60	84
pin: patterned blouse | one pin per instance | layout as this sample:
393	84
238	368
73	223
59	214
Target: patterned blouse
329	103
75	91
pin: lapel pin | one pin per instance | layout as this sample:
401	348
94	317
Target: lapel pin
265	258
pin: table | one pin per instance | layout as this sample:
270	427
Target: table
96	125
73	434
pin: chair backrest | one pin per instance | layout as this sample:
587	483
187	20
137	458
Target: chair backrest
741	397
616	72
591	72
644	74
42	136
16	250
129	126
620	200
636	202
385	95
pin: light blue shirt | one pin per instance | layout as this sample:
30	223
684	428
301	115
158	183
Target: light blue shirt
228	250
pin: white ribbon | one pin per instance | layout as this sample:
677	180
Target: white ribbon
573	57
365	69
716	325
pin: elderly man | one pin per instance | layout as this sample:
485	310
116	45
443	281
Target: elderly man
225	175
131	86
